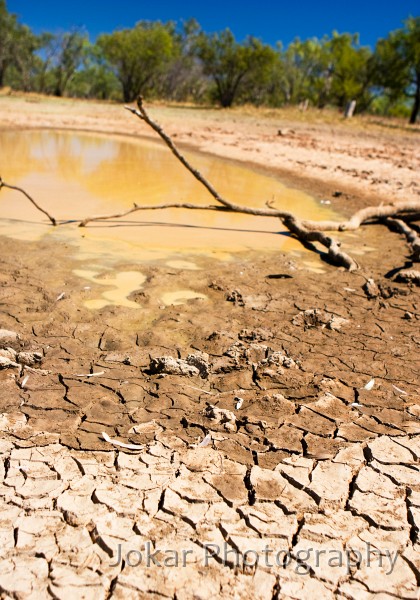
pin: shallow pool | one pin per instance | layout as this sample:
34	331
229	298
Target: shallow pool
74	175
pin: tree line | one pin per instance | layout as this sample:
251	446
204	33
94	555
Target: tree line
184	63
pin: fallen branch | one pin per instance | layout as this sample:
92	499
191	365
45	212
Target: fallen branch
3	184
335	254
142	114
370	214
136	207
411	235
306	231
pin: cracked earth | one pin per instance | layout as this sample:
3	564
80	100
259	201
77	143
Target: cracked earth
266	462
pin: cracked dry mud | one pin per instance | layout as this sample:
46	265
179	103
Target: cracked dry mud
306	469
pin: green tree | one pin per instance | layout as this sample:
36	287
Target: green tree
397	64
70	52
17	45
47	51
25	62
95	80
332	70
232	65
350	67
258	82
137	56
8	24
183	79
303	71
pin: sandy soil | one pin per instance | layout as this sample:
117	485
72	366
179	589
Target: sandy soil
307	484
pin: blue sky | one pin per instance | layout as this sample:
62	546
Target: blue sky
270	20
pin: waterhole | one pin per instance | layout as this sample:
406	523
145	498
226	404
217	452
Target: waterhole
74	175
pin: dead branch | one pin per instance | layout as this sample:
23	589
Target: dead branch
369	214
142	114
372	214
335	254
3	184
305	231
136	208
411	235
259	212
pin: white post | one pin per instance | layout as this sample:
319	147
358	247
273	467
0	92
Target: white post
350	108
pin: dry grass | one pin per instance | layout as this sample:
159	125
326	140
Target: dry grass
291	115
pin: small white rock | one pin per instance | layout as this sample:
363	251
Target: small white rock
369	385
238	402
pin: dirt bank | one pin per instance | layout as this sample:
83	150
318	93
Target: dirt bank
307	463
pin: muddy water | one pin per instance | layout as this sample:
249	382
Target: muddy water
122	284
75	175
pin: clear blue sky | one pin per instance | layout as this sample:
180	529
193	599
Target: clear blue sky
270	20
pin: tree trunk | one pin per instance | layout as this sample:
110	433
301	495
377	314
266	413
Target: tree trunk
127	89
416	105
58	87
2	71
223	94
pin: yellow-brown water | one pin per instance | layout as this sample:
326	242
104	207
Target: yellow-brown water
75	175
122	284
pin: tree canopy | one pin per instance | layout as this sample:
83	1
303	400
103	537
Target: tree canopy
397	69
10	40
231	65
138	55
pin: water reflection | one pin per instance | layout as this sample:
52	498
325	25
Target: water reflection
70	154
74	175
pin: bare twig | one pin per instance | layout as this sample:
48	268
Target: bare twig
136	208
143	115
18	189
